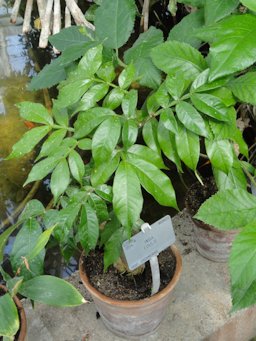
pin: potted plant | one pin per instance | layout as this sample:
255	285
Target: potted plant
27	279
104	139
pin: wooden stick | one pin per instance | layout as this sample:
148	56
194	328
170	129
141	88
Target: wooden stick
45	32
56	17
67	17
27	17
145	15
15	11
41	9
56	21
77	14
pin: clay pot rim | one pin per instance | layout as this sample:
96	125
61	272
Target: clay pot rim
22	315
134	303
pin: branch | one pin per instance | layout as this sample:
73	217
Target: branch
43	41
27	17
78	16
67	17
15	11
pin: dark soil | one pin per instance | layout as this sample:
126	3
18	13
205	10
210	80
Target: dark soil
124	286
197	194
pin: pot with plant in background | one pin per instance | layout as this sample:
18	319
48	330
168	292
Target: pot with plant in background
211	242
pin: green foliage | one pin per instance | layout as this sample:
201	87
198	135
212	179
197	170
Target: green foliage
9	322
236	208
114	22
106	136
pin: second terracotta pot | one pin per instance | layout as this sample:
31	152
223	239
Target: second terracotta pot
132	319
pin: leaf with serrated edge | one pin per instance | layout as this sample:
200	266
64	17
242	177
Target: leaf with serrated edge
60	179
34	112
228	209
244	87
221	154
242	268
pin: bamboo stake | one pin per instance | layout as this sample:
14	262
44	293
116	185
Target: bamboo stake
77	14
43	41
145	15
41	9
56	21
27	17
15	11
67	17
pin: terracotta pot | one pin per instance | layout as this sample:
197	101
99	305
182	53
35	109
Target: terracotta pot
211	243
23	321
133	319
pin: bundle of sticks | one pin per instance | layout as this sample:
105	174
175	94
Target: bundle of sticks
50	17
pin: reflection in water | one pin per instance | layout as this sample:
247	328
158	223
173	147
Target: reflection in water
15	69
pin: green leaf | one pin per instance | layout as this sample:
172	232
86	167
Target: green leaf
41	242
23	245
147	154
49	146
34	112
249	4
234	179
105	139
111	226
176	85
60	114
33	208
127	196
149	133
91	61
72	92
126	77
88	229
168	145
193	3
114	21
221	154
28	141
168	120
52	291
92	96
175	57
50	75
215	10
225	95
107	72
60	179
129	133
242	268
191	118
89	120
99	206
244	87
67	37
139	55
85	144
76	165
103	171
9	322
129	103
184	31
113	99
233	47
105	192
113	247
162	96
210	105
228	209
188	147
13	285
41	169
154	181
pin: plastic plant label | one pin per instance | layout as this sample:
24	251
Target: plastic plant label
144	245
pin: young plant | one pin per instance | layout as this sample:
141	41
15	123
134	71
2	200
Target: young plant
27	262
